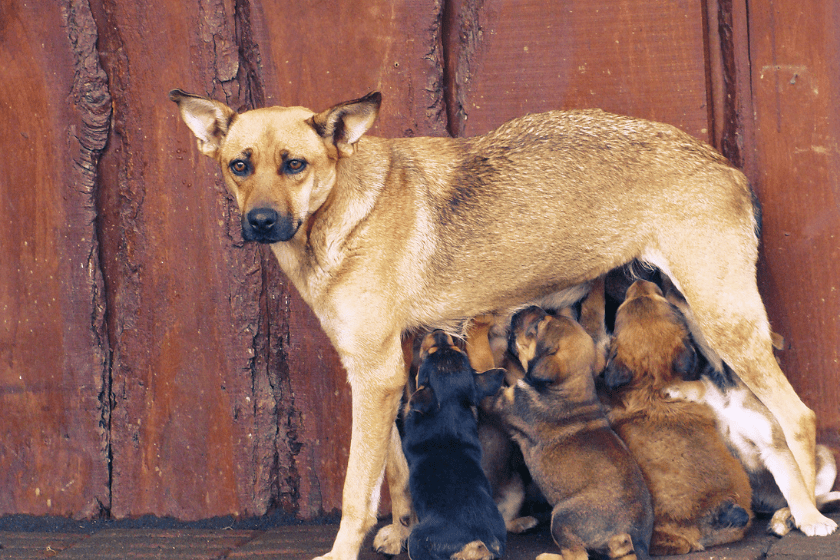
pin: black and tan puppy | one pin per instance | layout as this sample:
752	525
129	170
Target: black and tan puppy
599	499
456	516
701	494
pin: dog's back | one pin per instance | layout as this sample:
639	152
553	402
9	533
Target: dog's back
554	168
457	517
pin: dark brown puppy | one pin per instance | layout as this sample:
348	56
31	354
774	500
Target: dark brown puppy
599	499
701	494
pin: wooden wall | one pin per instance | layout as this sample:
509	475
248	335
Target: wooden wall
153	363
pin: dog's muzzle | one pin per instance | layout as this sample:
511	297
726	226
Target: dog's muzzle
265	225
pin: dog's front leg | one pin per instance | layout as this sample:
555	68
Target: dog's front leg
377	385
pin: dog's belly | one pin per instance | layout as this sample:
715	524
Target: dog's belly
454	314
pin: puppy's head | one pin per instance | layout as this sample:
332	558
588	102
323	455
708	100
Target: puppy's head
552	350
278	162
652	345
445	376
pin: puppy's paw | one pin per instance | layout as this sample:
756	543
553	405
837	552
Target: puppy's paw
672	392
476	550
391	539
816	525
781	523
521	524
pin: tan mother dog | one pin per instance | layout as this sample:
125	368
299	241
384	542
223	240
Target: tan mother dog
382	236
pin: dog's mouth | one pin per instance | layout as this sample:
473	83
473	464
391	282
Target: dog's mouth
266	225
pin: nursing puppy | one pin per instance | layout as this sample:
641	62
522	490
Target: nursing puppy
598	495
756	439
456	516
701	494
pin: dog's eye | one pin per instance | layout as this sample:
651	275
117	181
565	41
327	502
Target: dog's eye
294	166
240	167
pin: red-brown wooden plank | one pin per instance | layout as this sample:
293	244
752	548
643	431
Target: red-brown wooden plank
618	55
794	78
53	353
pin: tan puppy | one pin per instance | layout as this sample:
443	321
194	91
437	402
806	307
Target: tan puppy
597	492
701	494
756	439
382	236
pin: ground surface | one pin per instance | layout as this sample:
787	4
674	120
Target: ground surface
36	538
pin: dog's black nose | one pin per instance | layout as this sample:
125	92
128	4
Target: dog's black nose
262	219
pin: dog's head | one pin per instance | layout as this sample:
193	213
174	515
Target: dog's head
279	162
552	350
446	377
652	345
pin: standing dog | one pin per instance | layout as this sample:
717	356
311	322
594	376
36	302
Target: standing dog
456	516
597	492
381	236
701	494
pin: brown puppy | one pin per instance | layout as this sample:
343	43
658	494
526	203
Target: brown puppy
597	492
383	236
701	494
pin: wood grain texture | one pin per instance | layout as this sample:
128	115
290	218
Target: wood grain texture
622	56
53	352
153	362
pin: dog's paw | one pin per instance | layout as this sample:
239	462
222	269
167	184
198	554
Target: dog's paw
391	539
816	525
521	524
781	523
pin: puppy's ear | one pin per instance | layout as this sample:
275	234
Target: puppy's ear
345	123
489	382
616	374
686	362
544	371
208	119
423	400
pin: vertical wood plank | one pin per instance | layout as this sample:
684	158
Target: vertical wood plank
53	352
795	54
183	290
620	56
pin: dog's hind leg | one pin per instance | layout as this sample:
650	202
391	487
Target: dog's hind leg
716	274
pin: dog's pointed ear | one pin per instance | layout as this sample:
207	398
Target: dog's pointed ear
616	373
489	382
345	123
422	400
208	119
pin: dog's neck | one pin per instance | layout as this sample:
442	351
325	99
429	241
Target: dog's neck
316	252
